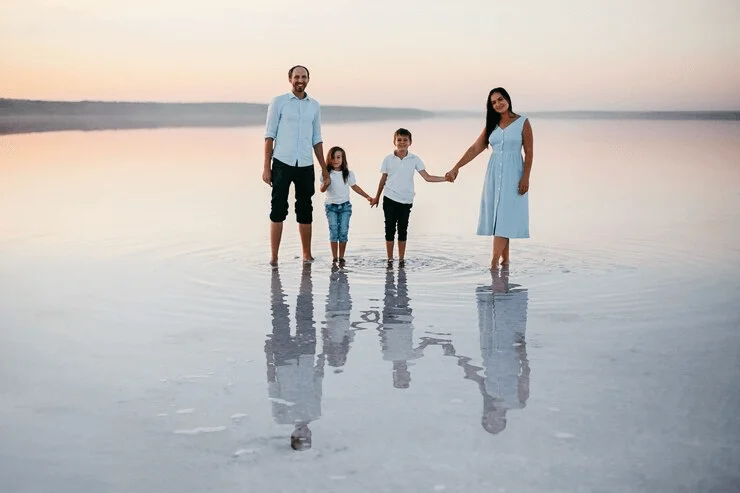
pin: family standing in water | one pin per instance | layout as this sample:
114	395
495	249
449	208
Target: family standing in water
293	134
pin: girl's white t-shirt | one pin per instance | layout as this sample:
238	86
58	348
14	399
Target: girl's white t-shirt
338	191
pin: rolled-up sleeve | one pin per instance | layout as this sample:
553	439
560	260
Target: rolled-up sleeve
317	126
273	116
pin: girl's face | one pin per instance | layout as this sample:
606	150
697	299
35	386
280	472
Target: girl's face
336	160
500	105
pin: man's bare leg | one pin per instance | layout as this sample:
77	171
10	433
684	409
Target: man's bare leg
276	234
389	249
305	232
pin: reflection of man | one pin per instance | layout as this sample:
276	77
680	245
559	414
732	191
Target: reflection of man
294	381
293	130
397	331
337	336
502	321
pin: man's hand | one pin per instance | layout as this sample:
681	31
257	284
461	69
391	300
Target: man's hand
374	202
451	175
267	176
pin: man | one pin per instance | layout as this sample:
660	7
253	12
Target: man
293	129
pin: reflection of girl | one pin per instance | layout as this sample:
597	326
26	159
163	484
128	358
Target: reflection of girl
337	335
504	210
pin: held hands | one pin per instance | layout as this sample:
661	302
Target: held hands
451	175
374	202
370	200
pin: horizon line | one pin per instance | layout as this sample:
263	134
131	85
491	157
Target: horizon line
446	111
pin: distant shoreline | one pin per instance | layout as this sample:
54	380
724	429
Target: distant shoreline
19	116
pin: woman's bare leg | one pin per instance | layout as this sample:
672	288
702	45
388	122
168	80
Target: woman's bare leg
505	254
499	244
342	248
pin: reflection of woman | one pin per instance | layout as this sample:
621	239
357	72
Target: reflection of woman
504	210
294	380
337	335
502	320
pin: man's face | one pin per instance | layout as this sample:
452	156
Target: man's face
299	79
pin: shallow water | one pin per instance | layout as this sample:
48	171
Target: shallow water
146	345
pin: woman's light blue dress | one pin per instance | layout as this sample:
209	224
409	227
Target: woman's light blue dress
503	212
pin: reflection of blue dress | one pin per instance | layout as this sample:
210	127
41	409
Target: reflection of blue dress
503	212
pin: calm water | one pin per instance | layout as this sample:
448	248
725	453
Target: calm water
146	346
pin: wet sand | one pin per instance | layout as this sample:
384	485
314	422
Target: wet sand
148	346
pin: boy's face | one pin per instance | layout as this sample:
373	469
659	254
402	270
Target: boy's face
402	142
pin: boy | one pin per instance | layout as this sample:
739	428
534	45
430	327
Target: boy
398	180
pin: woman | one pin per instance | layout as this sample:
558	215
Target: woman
504	210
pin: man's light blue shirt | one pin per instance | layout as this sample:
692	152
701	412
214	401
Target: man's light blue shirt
295	126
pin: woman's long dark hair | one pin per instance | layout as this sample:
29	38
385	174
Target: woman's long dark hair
343	168
493	118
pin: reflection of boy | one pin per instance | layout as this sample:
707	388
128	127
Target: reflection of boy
397	332
294	381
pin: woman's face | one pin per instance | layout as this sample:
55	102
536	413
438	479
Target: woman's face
500	105
336	159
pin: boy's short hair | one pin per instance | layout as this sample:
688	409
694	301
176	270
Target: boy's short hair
402	132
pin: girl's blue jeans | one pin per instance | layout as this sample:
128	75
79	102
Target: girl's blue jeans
338	216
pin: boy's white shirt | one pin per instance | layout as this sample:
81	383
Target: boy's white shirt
338	191
400	183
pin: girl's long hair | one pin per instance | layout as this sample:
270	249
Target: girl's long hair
493	118
343	168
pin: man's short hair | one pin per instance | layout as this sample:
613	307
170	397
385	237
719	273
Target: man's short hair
290	72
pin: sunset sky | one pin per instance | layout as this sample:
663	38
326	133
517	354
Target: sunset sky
550	54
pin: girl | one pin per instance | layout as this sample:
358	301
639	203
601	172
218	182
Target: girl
338	207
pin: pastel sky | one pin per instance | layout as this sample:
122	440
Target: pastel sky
431	54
